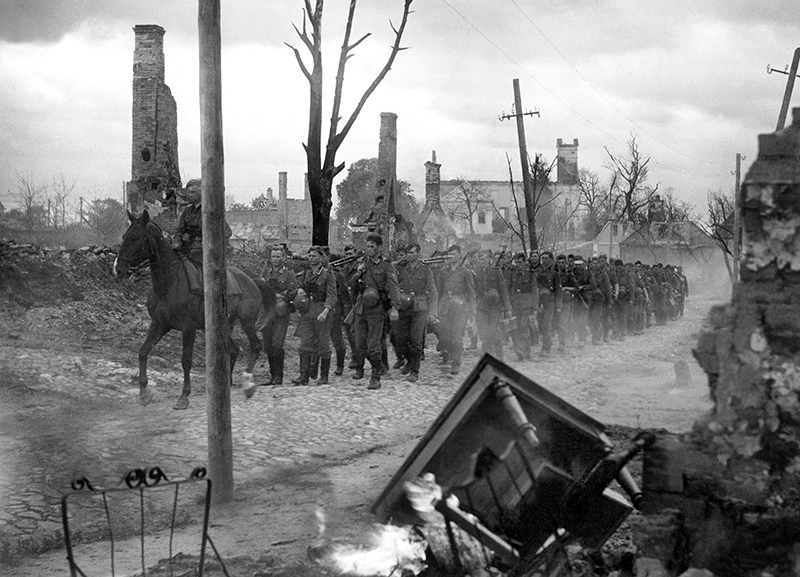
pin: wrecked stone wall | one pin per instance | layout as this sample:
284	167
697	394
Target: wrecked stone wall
729	489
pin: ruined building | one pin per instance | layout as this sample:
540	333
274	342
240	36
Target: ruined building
155	174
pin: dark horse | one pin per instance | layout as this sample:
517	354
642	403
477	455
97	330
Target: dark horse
173	306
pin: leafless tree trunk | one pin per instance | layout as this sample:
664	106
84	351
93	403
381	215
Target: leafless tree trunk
61	190
519	231
29	197
467	200
322	171
720	227
630	180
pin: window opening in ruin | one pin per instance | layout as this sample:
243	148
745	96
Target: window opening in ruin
481	217
146	154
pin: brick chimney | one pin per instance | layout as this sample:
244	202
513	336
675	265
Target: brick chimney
567	166
433	179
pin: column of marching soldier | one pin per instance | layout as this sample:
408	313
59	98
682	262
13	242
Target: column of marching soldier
364	299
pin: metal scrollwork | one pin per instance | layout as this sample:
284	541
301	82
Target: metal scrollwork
81	483
147	477
198	473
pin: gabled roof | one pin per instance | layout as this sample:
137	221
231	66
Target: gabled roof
675	233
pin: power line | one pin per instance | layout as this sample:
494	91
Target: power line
576	112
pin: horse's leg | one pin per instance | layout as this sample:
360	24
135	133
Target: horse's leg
186	363
253	350
154	334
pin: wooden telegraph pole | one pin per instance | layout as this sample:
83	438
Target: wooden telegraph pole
218	396
527	188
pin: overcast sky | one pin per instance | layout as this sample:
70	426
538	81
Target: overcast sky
687	78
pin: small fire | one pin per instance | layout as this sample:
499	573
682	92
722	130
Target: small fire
395	551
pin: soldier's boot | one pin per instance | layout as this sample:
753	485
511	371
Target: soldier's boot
313	366
399	363
305	362
412	368
277	360
384	360
271	360
339	362
324	369
375	378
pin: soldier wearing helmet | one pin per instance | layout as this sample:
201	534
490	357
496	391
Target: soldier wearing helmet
314	329
456	289
549	284
188	237
418	303
282	281
524	296
375	284
492	299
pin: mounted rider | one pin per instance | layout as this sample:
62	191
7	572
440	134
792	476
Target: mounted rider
188	238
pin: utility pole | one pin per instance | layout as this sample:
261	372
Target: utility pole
737	224
218	377
527	189
787	94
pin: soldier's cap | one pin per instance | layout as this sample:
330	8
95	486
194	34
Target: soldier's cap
578	261
519	255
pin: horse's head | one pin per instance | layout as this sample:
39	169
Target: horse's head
136	245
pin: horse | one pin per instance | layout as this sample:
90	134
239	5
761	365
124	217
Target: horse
172	305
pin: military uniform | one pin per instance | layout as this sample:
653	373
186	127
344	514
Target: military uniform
563	318
492	300
456	303
339	313
315	335
524	297
622	304
188	241
417	282
283	283
585	286
549	301
369	321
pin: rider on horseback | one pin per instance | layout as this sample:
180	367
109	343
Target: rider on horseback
188	238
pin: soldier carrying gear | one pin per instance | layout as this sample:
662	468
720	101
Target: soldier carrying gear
492	299
314	328
456	289
524	297
188	237
419	289
549	298
563	319
282	281
340	312
375	283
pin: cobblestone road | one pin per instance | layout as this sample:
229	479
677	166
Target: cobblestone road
63	416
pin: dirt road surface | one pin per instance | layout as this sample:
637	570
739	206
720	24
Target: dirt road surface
68	409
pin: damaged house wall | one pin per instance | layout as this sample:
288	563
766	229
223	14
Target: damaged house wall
155	174
725	496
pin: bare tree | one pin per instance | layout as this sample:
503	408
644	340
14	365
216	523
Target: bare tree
720	226
677	210
321	172
593	200
629	182
30	196
543	202
519	209
465	201
60	189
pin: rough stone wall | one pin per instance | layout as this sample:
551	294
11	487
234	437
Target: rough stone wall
567	166
155	173
733	481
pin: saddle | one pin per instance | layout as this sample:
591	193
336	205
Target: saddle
195	275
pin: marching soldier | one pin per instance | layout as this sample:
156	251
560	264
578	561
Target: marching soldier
563	319
492	302
601	301
549	298
418	302
456	305
584	289
622	302
282	281
317	295
524	296
340	312
375	284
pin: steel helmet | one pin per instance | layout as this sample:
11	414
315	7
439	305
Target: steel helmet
491	298
406	302
455	305
370	298
302	303
281	306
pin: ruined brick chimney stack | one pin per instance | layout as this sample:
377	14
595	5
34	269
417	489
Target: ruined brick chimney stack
725	497
283	208
433	180
155	174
